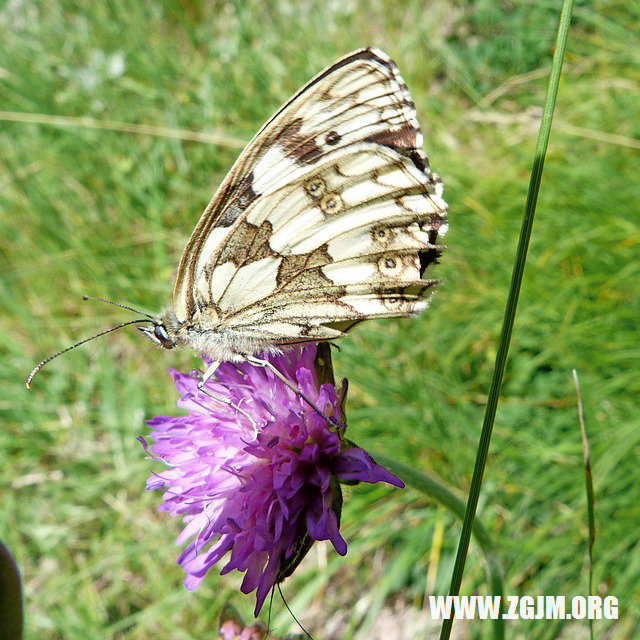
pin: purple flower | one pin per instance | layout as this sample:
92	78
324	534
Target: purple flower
258	479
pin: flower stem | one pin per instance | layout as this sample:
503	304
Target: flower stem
510	311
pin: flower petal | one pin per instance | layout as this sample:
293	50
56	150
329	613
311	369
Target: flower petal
355	464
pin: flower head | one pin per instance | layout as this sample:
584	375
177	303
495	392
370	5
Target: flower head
256	473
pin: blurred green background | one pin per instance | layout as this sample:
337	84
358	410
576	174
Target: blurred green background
106	212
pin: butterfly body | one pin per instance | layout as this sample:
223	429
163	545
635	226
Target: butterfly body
204	336
330	216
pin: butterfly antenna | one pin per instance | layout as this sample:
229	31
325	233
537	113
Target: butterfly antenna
73	346
117	304
306	633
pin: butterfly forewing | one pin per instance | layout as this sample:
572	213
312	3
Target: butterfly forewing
328	217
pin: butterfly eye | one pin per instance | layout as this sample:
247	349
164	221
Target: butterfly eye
316	188
331	203
161	335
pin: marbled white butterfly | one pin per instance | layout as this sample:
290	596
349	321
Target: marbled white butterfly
330	216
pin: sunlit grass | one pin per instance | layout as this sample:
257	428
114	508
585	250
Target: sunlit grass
107	213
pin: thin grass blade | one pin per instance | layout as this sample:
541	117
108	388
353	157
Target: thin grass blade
510	311
589	486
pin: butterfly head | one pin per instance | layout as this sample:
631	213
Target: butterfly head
158	334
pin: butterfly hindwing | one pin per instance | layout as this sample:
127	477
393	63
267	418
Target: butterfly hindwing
329	216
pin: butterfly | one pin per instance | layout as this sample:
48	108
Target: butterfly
330	216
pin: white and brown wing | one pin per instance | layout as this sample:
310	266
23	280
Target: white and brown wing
329	216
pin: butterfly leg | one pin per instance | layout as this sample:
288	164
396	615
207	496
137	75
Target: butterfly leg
265	363
213	367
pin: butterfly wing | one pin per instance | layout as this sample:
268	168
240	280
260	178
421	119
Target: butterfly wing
328	217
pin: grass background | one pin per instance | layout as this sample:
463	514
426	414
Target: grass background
86	210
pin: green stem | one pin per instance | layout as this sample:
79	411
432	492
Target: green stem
510	311
443	495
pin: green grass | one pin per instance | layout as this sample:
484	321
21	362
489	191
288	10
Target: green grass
107	213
